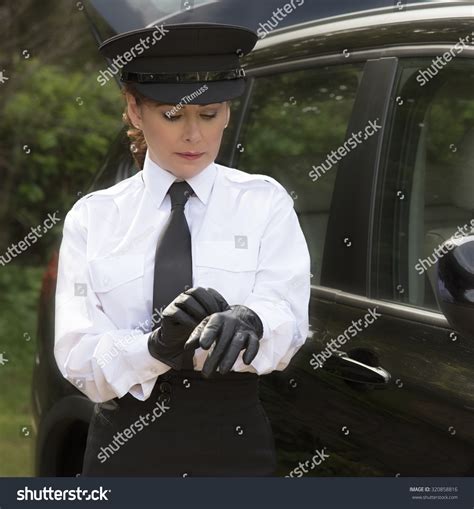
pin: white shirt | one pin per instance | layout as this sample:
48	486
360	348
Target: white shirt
246	243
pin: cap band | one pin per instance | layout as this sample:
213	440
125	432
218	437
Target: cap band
182	77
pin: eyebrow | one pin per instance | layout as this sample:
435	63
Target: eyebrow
215	105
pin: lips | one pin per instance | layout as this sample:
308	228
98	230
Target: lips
190	155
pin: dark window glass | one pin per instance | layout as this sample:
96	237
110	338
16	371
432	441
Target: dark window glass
427	192
295	120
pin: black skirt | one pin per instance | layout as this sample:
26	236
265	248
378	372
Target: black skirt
189	426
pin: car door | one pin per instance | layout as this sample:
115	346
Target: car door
425	195
382	401
293	120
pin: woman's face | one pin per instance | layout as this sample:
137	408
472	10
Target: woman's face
169	132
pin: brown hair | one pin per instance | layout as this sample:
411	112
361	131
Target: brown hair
138	144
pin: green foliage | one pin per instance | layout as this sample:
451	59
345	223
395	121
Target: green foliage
19	291
67	124
296	120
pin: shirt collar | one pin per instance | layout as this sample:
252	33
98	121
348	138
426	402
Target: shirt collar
158	181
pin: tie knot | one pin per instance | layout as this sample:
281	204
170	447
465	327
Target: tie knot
179	193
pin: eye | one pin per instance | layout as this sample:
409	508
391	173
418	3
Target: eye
171	118
208	117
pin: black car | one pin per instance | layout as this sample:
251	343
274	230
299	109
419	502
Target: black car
367	119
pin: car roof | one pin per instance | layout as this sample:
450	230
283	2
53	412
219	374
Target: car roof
124	15
318	28
424	24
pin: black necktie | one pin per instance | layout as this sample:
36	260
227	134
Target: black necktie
173	259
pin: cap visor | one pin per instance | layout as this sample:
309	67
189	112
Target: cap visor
192	93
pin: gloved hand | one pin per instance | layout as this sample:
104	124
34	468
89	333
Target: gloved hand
180	317
232	330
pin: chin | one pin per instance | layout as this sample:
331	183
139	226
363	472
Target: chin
184	173
190	168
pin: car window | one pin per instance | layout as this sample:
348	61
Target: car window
294	122
226	149
118	164
427	195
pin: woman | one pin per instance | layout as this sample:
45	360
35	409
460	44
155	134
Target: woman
178	287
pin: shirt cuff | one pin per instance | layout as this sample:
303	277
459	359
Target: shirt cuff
142	360
142	369
142	391
278	341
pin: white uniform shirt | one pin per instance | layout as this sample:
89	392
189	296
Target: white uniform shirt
246	243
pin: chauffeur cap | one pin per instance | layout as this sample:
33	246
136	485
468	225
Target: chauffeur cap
196	61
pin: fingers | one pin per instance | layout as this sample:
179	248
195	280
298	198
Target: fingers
221	302
191	343
221	330
212	330
195	336
177	315
230	356
211	300
190	305
223	337
205	333
251	350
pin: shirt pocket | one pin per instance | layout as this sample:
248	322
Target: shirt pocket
118	284
230	270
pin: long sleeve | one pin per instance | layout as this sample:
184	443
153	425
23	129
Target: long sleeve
101	360
281	292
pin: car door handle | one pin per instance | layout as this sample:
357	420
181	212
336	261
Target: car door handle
343	366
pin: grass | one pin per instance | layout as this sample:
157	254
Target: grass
19	294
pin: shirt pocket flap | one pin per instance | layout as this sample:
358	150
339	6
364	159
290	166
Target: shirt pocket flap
108	273
224	254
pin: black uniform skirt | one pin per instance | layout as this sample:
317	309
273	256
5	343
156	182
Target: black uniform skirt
189	426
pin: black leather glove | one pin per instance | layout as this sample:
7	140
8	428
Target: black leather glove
179	319
233	330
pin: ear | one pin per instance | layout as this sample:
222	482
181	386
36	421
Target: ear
133	110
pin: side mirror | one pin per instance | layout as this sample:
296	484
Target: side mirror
455	284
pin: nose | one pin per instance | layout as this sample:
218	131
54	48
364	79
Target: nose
191	130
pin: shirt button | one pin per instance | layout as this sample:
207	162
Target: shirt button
106	280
